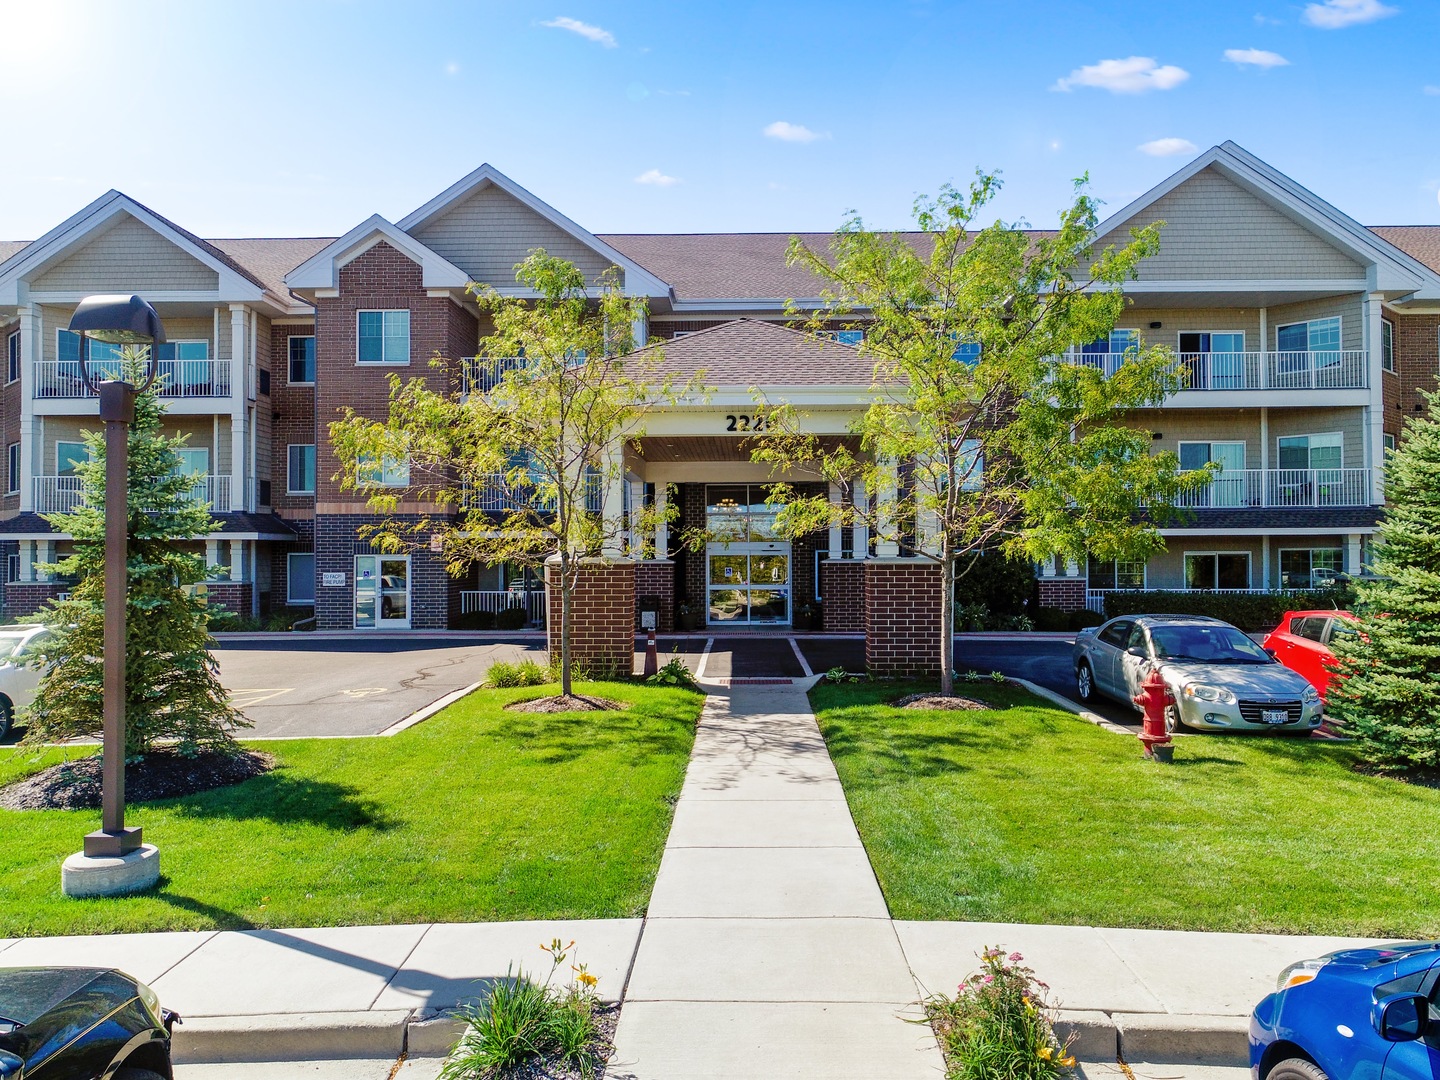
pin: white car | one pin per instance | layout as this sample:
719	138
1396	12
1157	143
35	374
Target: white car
17	679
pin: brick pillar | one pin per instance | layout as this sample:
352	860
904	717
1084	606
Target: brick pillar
842	588
28	597
902	617
1065	593
656	577
602	633
233	596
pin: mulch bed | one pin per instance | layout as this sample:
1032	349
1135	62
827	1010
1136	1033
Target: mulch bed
163	774
935	701
567	703
606	1019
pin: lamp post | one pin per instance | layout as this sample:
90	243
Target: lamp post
114	859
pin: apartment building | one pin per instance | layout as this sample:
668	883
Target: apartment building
1305	338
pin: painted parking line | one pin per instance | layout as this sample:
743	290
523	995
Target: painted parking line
244	699
364	691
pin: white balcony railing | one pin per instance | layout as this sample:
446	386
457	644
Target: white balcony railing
1095	598
62	494
496	601
176	378
1237	488
1341	369
494	494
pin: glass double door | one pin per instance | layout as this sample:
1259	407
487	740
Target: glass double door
748	584
382	592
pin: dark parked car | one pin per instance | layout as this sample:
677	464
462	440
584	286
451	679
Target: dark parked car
81	1024
1354	1013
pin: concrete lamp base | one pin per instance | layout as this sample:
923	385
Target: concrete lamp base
83	875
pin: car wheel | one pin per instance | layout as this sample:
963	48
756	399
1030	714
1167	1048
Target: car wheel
1085	682
7	716
1173	723
1297	1069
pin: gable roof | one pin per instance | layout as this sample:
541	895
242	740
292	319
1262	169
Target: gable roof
1420	242
270	259
638	280
748	352
322	269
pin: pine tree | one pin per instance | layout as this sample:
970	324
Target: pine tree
172	686
1389	692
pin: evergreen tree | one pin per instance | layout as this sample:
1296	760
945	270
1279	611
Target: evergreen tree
172	686
1389	692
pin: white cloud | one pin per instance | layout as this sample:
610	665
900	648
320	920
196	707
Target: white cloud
452	68
1266	20
1335	14
1133	75
788	132
656	178
1256	58
1167	147
584	29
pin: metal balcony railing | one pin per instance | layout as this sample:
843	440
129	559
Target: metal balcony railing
1236	488
62	494
494	494
1095	598
176	378
1340	369
496	601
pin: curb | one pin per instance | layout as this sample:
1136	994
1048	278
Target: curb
430	710
289	1037
1189	1040
1070	706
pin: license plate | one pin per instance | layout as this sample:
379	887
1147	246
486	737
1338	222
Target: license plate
1274	716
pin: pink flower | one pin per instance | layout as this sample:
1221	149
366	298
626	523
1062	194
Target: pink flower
989	978
1015	957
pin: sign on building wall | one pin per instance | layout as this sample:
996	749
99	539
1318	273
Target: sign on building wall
330	580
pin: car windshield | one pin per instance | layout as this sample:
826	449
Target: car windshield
9	643
1208	644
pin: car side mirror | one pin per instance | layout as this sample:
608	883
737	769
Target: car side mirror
1270	653
1137	652
10	1065
1401	1017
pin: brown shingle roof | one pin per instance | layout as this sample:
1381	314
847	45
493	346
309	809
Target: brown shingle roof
10	247
271	259
748	352
1418	241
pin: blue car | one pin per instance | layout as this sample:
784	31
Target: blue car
1359	1014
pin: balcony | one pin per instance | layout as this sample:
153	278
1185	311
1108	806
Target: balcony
62	494
1095	598
495	495
1343	369
481	374
61	379
1235	489
496	601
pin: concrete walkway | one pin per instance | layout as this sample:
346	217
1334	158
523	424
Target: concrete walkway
768	950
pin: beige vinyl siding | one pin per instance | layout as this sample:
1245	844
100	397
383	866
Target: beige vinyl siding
1349	308
130	256
1214	425
1349	422
57	317
491	231
1215	229
1167	570
200	429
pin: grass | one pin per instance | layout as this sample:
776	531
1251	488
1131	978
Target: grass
1026	813
477	814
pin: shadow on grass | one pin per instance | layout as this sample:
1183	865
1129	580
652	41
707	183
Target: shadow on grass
557	738
222	918
285	799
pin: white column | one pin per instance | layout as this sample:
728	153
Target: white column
1047	567
212	556
662	526
45	553
1264	346
886	546
237	560
30	451
640	331
1265	561
861	532
636	538
1072	568
239	440
612	504
27	560
834	540
1352	553
1375	411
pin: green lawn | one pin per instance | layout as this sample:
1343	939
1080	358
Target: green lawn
476	814
1026	813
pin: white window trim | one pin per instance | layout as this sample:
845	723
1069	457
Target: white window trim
1306	323
316	359
1310	551
1180	333
1219	442
1388	442
290	490
67	442
381	466
1393	368
12	450
382	363
289	577
1338	435
12	344
1249	566
1144	574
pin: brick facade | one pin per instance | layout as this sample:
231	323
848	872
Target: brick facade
233	596
602	639
27	597
902	617
842	585
337	542
656	577
1417	361
1067	594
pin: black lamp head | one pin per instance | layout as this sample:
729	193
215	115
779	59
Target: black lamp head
118	319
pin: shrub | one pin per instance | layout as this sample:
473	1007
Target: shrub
1002	586
1051	619
1078	620
504	675
476	620
998	1025
1248	611
971	617
674	673
512	618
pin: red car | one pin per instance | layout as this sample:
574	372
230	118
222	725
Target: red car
1302	643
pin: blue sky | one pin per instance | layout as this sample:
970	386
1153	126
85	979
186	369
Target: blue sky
304	118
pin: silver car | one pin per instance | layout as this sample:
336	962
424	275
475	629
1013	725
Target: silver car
1222	680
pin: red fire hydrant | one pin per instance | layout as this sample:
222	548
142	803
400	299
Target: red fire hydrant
1154	698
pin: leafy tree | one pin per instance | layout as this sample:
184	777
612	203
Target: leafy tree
528	442
1388	690
172	684
982	436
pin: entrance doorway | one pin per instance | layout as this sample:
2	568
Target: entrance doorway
382	592
748	584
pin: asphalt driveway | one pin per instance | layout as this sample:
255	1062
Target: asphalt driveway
305	685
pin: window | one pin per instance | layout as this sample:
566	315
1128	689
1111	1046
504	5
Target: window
1227	488
1117	633
972	465
300	577
844	337
68	455
1310	568
967	352
1389	443
12	369
1108	353
383	337
194	461
1213	361
300	476
1387	344
1116	574
302	361
390	472
1311	451
1206	570
12	460
67	349
1308	344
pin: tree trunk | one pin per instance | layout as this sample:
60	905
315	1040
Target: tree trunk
567	588
947	619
